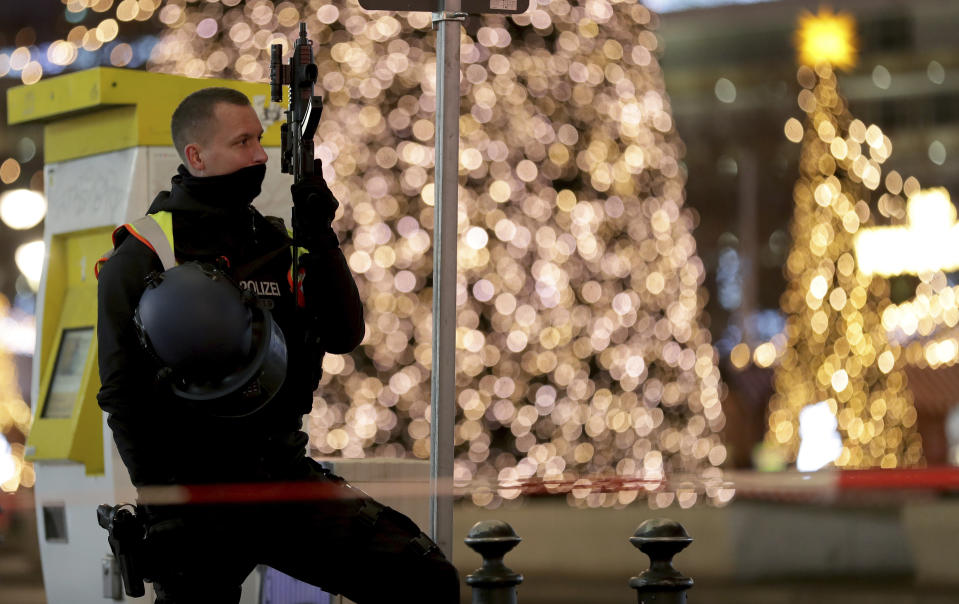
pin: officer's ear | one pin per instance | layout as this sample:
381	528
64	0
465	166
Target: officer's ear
194	158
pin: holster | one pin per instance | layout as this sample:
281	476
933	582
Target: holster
125	534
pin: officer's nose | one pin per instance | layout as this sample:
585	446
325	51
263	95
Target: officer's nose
259	154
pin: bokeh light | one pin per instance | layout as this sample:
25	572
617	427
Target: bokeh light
22	208
29	259
9	171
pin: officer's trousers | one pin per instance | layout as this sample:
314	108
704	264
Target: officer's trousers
339	540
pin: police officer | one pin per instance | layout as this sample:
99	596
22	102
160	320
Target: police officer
336	538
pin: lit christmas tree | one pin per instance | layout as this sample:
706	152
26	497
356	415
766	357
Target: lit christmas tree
15	415
580	348
838	352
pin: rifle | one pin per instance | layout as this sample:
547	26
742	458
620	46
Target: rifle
302	116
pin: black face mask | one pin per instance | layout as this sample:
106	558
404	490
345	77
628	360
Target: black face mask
227	191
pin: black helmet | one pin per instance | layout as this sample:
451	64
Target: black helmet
215	345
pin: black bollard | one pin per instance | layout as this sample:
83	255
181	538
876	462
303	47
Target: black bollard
494	583
661	539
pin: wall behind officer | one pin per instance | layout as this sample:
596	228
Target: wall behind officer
164	440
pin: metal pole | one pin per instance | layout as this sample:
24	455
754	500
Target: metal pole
748	203
442	380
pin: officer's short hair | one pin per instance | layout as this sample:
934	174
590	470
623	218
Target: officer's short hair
191	118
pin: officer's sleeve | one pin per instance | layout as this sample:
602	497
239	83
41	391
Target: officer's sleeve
333	300
126	373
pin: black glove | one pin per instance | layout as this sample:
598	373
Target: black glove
313	209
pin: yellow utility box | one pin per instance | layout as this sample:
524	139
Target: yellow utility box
68	423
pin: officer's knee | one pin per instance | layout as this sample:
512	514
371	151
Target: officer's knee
435	581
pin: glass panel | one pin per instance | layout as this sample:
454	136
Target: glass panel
68	373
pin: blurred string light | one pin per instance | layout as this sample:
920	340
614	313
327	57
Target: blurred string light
928	242
9	171
94	40
18	333
937	152
14	415
936	72
729	280
22	208
926	325
881	77
926	245
820	443
26	149
580	349
827	37
725	90
765	354
29	259
837	349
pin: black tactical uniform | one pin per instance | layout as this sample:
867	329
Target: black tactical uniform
201	553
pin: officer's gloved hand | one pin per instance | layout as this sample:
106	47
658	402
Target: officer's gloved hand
314	207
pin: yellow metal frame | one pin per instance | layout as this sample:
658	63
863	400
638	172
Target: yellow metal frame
70	301
107	109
